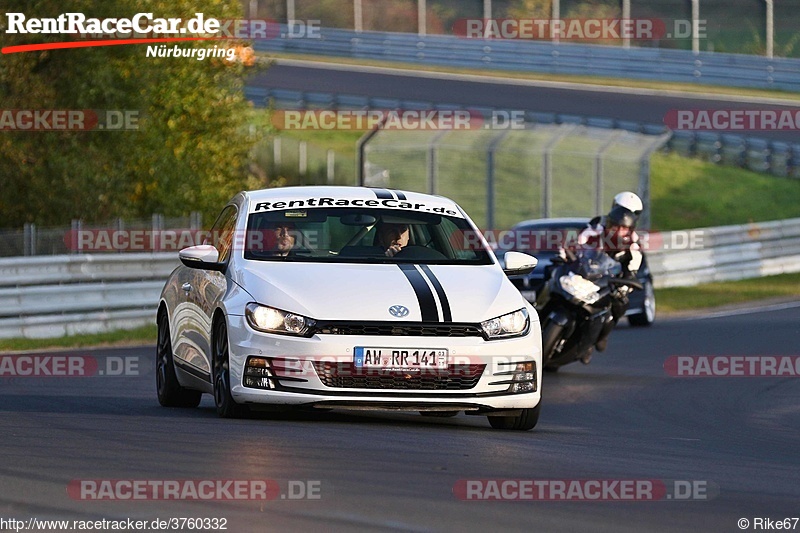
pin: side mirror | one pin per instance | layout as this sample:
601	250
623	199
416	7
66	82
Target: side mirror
203	257
518	263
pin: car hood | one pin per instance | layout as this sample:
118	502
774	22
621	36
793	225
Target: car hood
366	292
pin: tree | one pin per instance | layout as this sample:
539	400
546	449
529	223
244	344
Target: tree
189	153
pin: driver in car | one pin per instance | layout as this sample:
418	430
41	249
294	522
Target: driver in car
392	237
281	238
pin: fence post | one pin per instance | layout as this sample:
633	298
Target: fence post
556	16
644	179
302	154
422	17
358	16
195	220
432	162
331	156
490	151
770	28
76	225
598	170
157	226
29	239
547	166
361	150
276	153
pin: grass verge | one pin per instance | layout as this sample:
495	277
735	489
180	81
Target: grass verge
710	295
143	335
689	193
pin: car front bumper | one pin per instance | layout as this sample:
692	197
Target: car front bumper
320	372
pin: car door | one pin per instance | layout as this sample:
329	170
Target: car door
199	293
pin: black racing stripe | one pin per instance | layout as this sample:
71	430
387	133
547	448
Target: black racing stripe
427	305
400	196
383	194
446	314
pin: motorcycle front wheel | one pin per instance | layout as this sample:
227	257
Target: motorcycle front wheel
551	337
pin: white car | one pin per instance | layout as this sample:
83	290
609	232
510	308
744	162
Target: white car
296	301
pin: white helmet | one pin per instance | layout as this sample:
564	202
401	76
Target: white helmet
629	201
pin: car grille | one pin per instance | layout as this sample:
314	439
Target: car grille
347	376
397	329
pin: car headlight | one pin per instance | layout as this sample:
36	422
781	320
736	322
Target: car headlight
271	320
509	325
580	287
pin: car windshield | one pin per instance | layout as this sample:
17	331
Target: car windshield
539	239
356	235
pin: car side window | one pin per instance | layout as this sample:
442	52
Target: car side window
223	231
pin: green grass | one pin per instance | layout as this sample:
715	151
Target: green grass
689	193
143	335
709	295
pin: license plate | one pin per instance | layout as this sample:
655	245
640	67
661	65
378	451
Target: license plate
400	358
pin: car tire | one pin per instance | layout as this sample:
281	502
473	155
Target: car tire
551	336
170	393
648	316
525	421
226	405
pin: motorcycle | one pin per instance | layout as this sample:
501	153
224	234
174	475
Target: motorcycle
576	305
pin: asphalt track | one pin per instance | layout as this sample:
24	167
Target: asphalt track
641	106
621	417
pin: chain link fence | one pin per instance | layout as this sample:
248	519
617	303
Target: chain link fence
503	177
307	163
732	27
117	236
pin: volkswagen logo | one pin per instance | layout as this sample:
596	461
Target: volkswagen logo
398	311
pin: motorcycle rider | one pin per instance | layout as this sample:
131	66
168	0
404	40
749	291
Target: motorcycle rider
615	234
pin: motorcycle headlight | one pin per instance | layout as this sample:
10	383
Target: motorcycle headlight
580	287
271	320
509	325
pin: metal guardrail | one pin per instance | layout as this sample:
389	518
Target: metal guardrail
59	295
52	296
759	155
729	253
659	64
